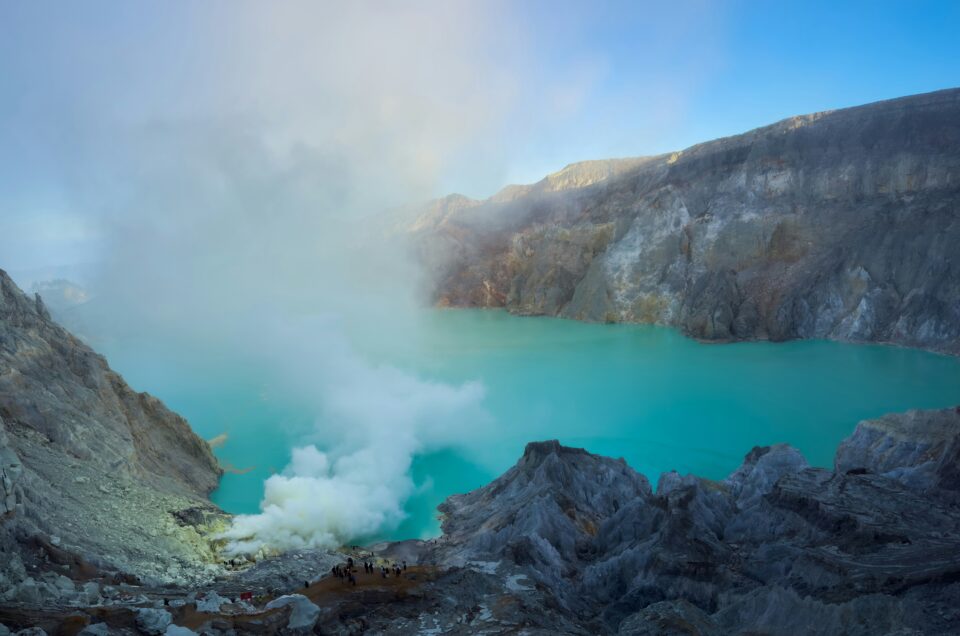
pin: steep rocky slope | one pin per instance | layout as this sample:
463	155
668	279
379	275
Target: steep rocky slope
567	542
95	476
843	224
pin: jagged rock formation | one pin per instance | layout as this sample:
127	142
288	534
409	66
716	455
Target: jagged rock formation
567	542
919	448
843	224
92	473
872	547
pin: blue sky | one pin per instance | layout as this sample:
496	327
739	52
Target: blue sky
107	106
752	63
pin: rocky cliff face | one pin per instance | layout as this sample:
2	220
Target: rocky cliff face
92	473
778	547
843	224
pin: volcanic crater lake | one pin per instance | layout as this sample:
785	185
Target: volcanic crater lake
645	393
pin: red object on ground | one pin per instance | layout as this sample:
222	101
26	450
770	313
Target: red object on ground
246	596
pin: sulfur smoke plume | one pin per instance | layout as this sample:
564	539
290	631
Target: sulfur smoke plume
326	499
229	164
262	231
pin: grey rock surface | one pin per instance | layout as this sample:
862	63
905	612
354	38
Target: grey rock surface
303	615
10	471
91	471
778	547
153	621
918	448
210	603
567	542
843	224
286	571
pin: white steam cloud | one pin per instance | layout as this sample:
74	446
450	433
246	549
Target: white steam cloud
251	223
229	160
326	499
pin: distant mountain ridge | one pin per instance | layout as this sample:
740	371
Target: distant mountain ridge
843	224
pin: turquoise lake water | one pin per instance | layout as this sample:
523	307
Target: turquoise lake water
644	393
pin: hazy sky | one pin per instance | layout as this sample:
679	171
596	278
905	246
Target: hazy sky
400	101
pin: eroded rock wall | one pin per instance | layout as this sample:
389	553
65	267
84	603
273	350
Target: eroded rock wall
843	224
91	468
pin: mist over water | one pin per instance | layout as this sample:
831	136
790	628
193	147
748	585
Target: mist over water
648	394
239	206
230	175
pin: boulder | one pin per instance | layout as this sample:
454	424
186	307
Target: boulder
211	602
304	613
28	591
153	621
90	593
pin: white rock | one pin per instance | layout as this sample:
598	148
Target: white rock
176	630
90	593
153	621
514	585
304	615
211	603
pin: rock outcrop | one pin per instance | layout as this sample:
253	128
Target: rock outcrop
567	542
10	470
842	224
779	547
918	448
92	473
